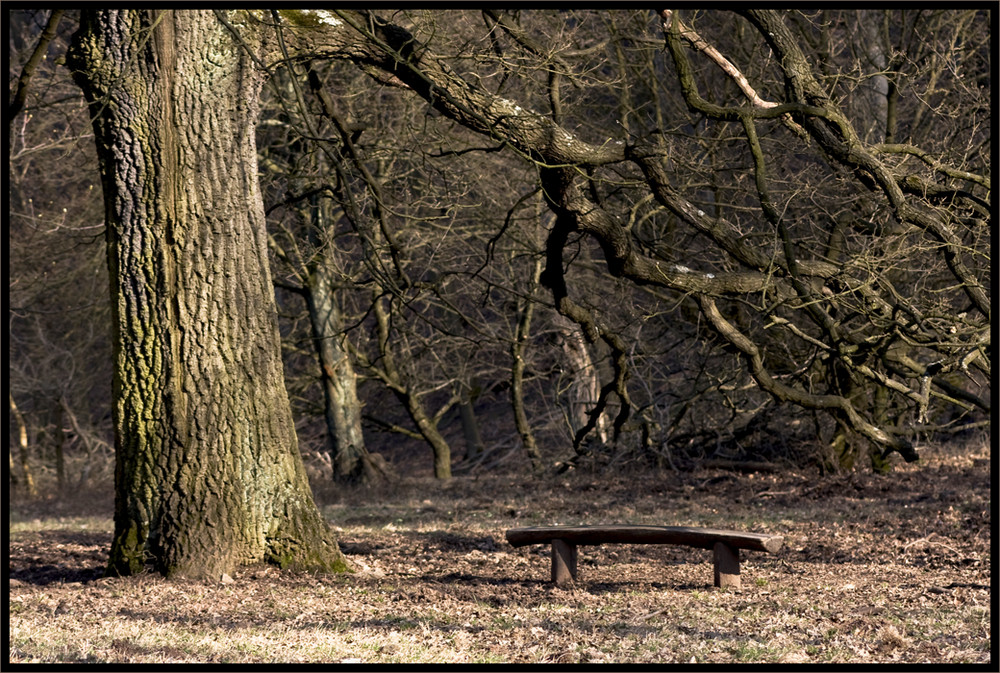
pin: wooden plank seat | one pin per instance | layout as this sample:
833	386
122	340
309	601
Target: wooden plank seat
725	545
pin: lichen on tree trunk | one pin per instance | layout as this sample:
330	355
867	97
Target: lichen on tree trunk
208	475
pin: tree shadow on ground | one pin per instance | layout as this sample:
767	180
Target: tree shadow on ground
83	557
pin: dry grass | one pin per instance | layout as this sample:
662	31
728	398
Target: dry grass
875	569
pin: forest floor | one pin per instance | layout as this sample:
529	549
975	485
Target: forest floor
893	568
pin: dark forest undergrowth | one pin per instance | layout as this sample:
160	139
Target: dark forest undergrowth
892	568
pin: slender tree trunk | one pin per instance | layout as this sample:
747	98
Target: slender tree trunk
880	404
59	410
342	408
517	348
584	388
869	104
426	426
352	463
11	474
470	426
208	475
428	429
22	442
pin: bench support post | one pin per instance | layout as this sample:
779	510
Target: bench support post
563	562
727	565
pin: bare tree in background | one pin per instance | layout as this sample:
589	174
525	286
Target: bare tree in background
58	374
763	224
777	253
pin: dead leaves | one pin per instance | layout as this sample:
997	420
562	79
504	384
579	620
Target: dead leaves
874	570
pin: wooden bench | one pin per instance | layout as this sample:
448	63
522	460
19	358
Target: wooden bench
725	544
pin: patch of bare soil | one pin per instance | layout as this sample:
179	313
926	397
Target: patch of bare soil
891	568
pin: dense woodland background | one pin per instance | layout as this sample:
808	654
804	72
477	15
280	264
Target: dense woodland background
707	268
408	250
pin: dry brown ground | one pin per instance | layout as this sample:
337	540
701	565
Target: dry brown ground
875	569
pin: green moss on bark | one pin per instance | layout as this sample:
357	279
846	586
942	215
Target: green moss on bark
208	475
289	555
127	552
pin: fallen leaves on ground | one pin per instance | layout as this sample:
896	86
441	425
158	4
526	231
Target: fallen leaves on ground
892	568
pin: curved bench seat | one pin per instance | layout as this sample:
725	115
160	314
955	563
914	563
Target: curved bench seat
725	544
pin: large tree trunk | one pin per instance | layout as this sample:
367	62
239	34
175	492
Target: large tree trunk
208	475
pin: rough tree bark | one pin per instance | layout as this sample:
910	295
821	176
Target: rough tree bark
208	475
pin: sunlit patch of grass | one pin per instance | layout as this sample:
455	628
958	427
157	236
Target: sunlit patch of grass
438	585
752	652
20	523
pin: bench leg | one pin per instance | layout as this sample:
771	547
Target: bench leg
563	562
727	565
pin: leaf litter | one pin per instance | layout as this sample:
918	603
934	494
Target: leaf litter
875	568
